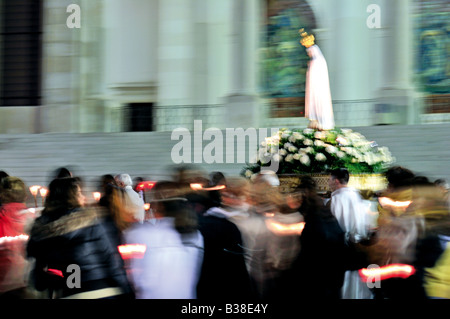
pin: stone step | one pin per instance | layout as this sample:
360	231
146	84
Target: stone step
422	148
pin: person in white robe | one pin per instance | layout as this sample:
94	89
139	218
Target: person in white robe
352	214
170	267
318	104
169	262
136	200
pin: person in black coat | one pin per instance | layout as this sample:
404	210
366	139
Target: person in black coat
68	234
224	274
320	267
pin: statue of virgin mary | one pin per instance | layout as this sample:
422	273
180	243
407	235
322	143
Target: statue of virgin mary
318	105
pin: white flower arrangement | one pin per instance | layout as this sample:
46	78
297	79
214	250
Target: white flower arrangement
301	151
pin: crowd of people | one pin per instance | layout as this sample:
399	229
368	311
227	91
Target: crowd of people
217	237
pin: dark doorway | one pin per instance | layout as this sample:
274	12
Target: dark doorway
141	117
21	43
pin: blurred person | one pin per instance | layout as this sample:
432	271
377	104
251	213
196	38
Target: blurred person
224	273
233	204
3	174
267	176
136	182
320	267
67	234
419	238
203	198
425	196
124	182
348	207
119	209
171	264
217	178
278	246
396	244
14	219
105	182
188	174
419	180
276	241
395	237
265	197
443	186
398	194
62	172
432	257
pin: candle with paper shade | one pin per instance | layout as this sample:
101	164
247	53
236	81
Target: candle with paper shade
97	196
43	191
197	187
34	191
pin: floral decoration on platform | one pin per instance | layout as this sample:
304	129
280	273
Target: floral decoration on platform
306	151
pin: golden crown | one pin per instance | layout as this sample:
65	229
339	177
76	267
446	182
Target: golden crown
307	40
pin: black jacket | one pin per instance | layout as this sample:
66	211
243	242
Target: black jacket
224	275
79	237
323	258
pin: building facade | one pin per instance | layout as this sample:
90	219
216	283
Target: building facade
154	65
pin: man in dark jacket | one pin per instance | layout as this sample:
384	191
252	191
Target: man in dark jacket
321	265
224	275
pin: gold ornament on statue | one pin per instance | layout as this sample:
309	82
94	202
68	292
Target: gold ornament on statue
307	40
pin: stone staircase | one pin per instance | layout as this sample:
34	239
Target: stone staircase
425	149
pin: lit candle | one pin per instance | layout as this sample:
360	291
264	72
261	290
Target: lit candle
34	190
43	191
146	206
97	196
196	186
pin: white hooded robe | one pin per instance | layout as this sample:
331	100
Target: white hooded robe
318	105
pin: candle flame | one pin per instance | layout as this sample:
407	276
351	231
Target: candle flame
285	229
8	239
196	187
43	191
132	250
34	189
386	272
387	202
97	195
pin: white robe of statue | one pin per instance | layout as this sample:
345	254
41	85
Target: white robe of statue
318	106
